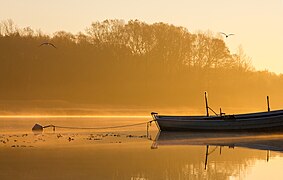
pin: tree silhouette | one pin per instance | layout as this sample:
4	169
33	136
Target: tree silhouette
133	63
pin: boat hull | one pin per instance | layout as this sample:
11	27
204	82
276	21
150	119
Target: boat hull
263	121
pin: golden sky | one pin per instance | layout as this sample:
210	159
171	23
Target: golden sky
258	24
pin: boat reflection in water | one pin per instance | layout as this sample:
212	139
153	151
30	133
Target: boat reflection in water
216	141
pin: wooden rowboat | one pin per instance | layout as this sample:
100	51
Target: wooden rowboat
259	121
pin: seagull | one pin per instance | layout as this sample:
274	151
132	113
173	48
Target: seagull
226	35
48	44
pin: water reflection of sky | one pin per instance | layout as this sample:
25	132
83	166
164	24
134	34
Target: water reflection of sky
262	170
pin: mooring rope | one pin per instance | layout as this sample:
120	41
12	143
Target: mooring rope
108	127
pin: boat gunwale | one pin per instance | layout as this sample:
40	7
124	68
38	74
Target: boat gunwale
237	117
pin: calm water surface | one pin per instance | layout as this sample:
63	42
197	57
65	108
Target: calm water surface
132	153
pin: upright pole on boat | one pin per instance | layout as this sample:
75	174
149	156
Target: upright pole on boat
268	108
206	104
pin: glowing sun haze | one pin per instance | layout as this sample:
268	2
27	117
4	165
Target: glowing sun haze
258	24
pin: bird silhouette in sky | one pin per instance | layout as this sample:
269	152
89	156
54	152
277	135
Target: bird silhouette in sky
48	44
226	35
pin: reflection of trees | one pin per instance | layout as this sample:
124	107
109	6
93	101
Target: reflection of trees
131	58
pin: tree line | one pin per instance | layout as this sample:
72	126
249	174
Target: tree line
114	62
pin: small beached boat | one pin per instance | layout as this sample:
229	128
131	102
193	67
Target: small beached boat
259	121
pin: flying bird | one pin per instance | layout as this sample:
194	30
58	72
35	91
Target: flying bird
226	35
48	44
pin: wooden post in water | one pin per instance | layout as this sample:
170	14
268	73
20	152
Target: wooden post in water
206	104
268	108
